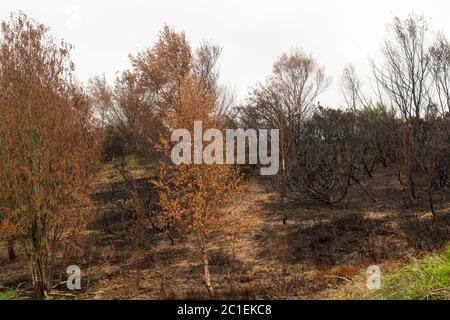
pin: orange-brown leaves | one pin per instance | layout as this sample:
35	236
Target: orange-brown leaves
48	153
192	194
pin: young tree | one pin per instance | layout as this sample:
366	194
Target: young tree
351	88
404	80
404	76
285	102
191	194
440	70
48	153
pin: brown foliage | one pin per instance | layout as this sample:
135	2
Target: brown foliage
48	152
191	195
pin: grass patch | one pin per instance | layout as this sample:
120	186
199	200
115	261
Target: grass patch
6	294
421	279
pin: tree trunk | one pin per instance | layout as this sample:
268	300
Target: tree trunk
409	184
430	201
283	200
41	276
283	185
207	276
38	278
11	251
412	186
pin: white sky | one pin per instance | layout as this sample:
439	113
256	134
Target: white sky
252	33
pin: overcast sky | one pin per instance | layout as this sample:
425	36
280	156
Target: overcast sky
252	33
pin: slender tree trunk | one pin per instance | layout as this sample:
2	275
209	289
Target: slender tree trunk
430	201
283	177
41	269
206	274
11	251
409	184
39	278
412	186
283	197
